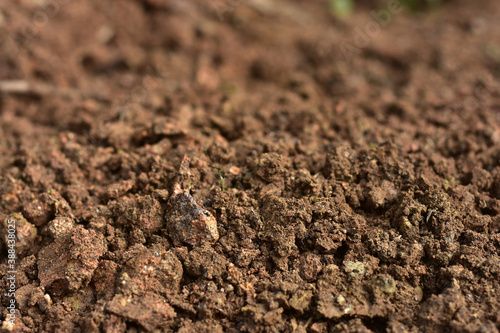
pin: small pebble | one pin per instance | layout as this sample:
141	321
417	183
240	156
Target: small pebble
188	222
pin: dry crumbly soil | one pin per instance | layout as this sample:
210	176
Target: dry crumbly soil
220	167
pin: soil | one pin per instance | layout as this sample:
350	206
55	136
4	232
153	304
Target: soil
230	166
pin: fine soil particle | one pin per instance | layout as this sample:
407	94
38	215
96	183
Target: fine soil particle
250	166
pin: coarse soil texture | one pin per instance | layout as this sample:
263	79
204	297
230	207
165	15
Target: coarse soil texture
250	166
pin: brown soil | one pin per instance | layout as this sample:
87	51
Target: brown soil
184	166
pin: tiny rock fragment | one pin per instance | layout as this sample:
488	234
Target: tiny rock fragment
188	222
105	34
150	311
144	212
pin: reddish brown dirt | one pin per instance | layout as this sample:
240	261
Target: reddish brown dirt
179	166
